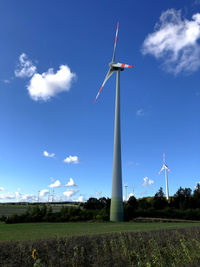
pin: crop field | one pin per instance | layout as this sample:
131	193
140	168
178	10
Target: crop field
165	247
31	231
9	209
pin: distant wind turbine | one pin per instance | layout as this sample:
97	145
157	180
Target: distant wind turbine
38	196
116	209
164	167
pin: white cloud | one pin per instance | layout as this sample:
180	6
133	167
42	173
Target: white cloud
140	112
71	159
57	183
147	182
49	155
81	199
130	195
151	182
57	198
2	189
70	193
17	194
18	197
25	67
43	192
28	197
7	196
48	84
6	81
71	182
175	41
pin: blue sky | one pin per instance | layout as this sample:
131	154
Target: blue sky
54	57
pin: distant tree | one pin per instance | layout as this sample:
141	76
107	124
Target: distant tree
159	201
144	203
104	203
182	198
97	204
196	197
91	204
129	208
132	201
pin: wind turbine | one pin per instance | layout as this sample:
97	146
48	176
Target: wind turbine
164	167
38	195
116	209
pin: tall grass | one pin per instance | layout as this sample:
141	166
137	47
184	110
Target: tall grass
180	247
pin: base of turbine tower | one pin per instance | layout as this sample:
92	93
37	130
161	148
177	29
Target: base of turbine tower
116	210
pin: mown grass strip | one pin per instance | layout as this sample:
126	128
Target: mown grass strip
32	231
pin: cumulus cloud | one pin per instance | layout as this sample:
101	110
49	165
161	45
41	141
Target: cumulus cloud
2	188
147	182
140	112
43	192
151	182
25	67
48	84
49	155
175	41
71	159
7	196
70	193
18	197
81	199
28	197
57	183
71	182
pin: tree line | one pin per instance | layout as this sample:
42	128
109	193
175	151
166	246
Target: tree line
184	204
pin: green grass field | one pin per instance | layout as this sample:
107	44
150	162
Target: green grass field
31	231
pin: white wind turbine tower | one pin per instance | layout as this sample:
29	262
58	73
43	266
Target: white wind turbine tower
164	167
116	208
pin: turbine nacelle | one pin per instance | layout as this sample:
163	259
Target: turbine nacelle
164	167
118	66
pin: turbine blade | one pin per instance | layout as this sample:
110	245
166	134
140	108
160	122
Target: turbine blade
161	170
121	65
110	72
113	59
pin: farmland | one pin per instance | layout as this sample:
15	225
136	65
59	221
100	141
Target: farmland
164	247
31	231
10	209
140	242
